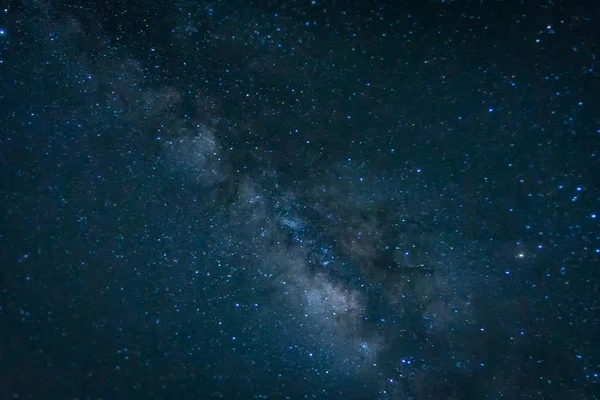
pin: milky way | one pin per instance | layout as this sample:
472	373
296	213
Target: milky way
299	200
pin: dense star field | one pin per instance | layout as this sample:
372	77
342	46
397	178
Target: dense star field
296	199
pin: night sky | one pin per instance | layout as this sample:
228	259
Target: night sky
296	199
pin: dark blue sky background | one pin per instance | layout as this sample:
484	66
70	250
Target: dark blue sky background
299	199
